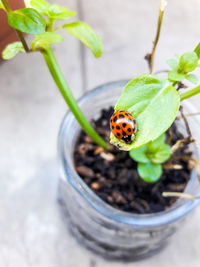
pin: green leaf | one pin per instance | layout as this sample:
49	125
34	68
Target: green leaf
173	63
1	6
27	20
41	6
173	75
57	12
197	50
188	62
192	78
150	172
139	154
154	103
12	50
158	154
87	35
45	39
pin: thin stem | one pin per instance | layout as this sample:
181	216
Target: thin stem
163	4
190	93
67	95
20	35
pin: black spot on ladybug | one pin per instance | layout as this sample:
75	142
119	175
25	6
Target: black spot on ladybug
127	114
134	121
121	116
110	120
122	111
113	127
118	134
124	133
129	130
124	124
117	127
115	119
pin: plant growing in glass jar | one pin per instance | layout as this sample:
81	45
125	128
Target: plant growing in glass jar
116	230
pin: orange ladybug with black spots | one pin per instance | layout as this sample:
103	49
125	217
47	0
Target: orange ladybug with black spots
123	126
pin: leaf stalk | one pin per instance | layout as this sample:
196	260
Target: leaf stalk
70	100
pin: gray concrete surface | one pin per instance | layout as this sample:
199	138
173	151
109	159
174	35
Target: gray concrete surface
31	109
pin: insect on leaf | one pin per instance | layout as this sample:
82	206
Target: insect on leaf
153	102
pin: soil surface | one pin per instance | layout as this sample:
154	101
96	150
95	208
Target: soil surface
113	175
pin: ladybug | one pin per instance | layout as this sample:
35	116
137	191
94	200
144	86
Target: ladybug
123	126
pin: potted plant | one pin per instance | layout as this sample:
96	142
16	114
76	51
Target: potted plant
114	199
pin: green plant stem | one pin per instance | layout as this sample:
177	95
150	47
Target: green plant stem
190	93
20	35
163	4
70	100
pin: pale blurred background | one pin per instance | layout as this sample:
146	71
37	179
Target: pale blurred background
32	232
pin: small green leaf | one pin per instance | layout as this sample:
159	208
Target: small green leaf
192	78
12	50
159	154
1	6
41	6
87	35
45	39
173	63
173	75
27	20
188	62
197	50
154	103
150	172
139	154
57	12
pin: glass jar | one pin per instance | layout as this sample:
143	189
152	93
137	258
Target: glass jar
107	231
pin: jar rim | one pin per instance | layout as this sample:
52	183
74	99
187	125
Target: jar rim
137	220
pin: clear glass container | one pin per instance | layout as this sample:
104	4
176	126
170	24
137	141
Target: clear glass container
107	231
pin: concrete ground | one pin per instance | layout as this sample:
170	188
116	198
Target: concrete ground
31	109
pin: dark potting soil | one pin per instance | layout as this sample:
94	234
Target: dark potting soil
113	175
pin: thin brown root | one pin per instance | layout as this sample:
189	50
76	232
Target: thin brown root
170	136
178	194
192	161
186	122
169	166
182	143
188	115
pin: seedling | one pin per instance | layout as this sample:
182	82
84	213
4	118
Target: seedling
38	19
153	102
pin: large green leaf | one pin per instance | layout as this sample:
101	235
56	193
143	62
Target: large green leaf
12	50
87	35
27	20
41	6
154	103
45	39
57	12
